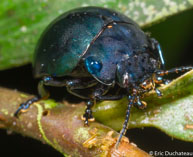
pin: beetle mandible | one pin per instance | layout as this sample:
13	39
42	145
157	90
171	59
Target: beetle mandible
98	48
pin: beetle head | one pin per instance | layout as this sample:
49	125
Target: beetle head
125	75
134	70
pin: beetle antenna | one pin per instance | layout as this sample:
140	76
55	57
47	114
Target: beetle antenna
161	56
130	104
174	70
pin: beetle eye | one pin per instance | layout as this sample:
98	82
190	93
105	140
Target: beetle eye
92	65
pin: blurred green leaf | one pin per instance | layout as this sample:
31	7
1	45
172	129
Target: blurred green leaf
172	113
22	22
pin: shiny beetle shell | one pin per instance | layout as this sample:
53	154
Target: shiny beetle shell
101	42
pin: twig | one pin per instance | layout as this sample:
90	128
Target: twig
60	126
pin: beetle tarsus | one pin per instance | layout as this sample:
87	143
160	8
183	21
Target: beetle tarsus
166	81
88	112
158	92
140	104
24	106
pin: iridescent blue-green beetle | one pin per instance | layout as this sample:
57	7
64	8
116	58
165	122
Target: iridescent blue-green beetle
98	49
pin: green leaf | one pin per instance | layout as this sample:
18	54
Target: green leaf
22	22
172	113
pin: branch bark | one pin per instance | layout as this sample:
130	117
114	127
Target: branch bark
60	125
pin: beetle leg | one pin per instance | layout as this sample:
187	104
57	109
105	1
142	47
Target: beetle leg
174	70
50	81
140	104
158	92
79	84
72	85
166	81
24	106
130	104
98	96
109	97
44	94
98	92
75	93
88	112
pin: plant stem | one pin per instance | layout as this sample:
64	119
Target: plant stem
60	125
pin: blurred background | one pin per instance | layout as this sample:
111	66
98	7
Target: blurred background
175	35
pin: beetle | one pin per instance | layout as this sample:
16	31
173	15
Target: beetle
97	49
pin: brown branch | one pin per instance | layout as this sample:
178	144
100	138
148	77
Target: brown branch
61	127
